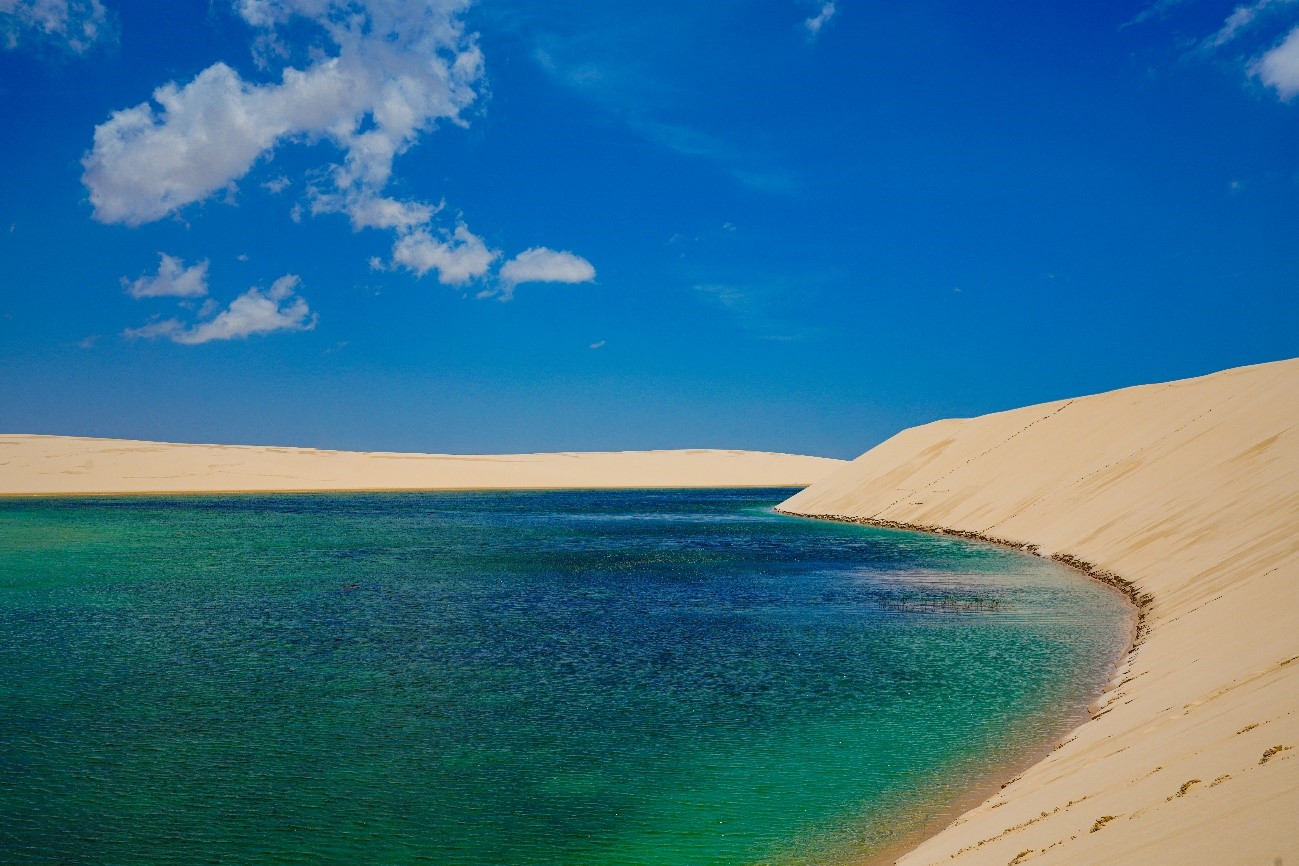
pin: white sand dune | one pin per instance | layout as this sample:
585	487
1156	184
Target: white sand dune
34	465
1190	490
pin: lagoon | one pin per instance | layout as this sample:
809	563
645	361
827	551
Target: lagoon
579	677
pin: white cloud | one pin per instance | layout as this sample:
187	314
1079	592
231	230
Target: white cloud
1278	68
77	24
172	280
277	185
144	166
253	312
153	330
376	212
542	265
821	18
390	72
458	260
598	344
1245	31
398	67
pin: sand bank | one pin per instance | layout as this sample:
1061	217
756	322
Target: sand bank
35	465
1189	491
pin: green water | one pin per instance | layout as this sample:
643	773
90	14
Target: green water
628	677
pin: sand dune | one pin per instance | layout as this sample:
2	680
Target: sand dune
1190	490
66	464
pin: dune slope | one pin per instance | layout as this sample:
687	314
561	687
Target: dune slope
34	465
1190	490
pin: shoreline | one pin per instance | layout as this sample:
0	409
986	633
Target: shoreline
1141	601
1183	496
987	785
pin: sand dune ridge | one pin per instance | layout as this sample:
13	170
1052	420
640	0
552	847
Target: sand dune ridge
1188	490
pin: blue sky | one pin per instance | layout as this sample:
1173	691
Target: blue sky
506	226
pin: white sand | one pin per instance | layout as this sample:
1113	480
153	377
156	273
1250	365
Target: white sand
66	464
1190	490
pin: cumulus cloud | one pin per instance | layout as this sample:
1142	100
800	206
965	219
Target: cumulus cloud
253	312
821	18
1278	68
384	213
461	258
542	265
391	71
397	68
76	24
172	280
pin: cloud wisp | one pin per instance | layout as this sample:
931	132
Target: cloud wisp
1157	10
769	307
1241	19
73	24
634	93
172	280
279	308
820	19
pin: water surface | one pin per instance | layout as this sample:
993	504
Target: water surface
631	677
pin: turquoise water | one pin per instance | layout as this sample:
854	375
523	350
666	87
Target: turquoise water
630	677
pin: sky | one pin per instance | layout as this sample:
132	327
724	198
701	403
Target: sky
475	227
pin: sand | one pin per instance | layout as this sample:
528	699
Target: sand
1190	490
35	465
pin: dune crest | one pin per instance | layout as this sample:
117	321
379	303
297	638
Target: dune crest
1190	491
35	465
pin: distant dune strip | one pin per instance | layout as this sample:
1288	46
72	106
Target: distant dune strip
66	465
1186	496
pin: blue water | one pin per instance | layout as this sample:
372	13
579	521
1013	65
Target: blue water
630	677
